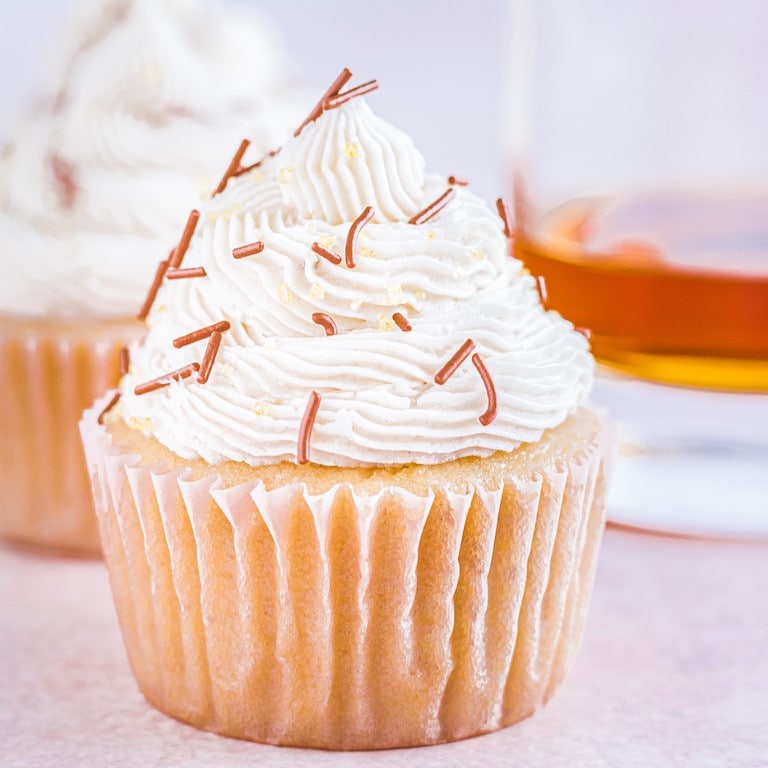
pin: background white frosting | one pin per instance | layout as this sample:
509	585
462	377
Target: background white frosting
154	98
452	277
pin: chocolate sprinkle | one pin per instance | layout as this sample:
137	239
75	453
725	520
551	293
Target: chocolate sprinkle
208	358
401	321
342	98
233	168
503	210
433	208
248	250
454	182
200	333
162	268
354	230
326	254
186	237
324	319
458	357
125	361
246	168
490	389
180	274
305	430
166	379
64	177
317	110
110	405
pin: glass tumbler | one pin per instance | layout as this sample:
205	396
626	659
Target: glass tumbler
638	146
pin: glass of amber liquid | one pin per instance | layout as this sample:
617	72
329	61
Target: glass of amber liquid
640	163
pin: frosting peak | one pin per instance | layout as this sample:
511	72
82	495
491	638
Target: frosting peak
348	160
430	344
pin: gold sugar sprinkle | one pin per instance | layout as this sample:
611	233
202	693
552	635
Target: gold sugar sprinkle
317	292
328	241
284	294
355	305
431	234
369	253
385	323
350	149
141	423
394	294
260	408
477	253
232	211
420	295
284	175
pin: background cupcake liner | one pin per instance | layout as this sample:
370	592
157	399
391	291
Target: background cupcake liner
346	621
49	373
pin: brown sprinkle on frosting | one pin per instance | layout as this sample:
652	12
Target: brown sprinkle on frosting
342	98
459	356
490	389
326	254
305	430
166	379
186	237
125	360
433	208
317	110
64	177
354	230
324	319
455	182
233	167
110	405
245	168
248	250
503	209
208	358
401	321
200	333
541	287
162	268
180	274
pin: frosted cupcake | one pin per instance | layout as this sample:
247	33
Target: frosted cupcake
154	96
348	494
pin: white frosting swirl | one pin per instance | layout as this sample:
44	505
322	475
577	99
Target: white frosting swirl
321	183
452	277
155	98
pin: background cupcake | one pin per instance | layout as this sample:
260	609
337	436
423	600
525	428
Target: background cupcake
348	495
153	99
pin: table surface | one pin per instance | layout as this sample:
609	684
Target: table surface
673	671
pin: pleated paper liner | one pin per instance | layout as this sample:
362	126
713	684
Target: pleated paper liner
50	371
346	621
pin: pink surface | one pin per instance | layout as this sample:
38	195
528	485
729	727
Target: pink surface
673	672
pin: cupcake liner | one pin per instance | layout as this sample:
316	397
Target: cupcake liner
346	621
49	373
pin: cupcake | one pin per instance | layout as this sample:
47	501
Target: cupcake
153	99
348	493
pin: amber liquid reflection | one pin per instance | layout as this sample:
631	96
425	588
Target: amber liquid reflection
674	289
